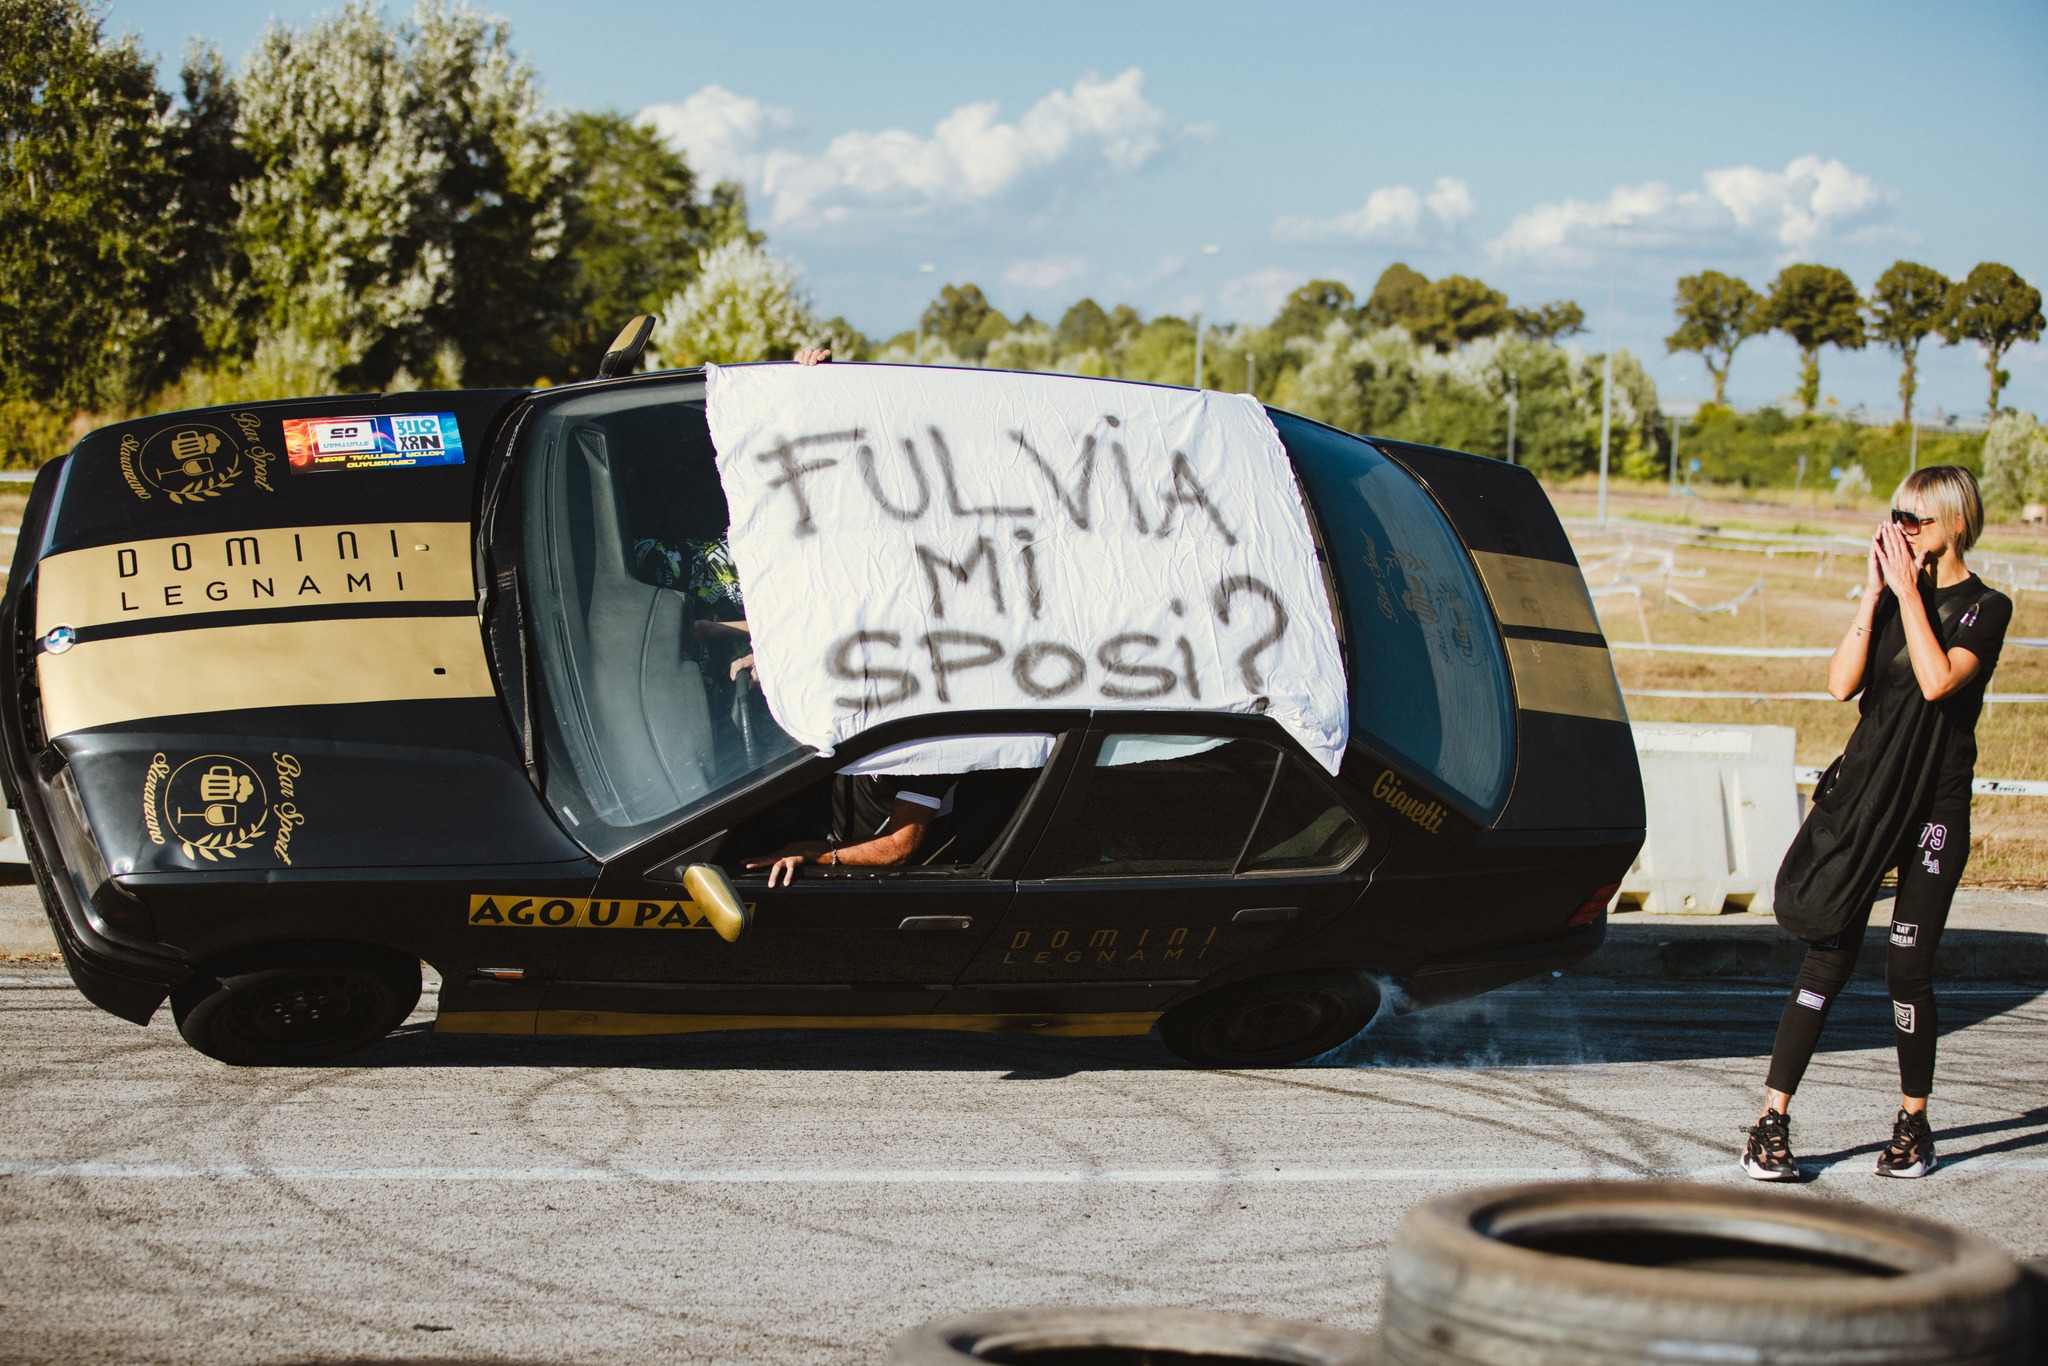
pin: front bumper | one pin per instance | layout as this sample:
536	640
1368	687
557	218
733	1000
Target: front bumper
126	979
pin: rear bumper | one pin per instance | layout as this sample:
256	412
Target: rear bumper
1469	974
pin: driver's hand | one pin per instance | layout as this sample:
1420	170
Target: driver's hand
814	355
740	666
783	863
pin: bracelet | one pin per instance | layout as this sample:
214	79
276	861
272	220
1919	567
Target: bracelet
835	858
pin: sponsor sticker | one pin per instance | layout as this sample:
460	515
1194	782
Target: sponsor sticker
1812	1000
578	913
1905	1016
191	462
1905	936
1427	814
217	806
378	441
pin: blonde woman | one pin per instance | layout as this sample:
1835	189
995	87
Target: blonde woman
1920	653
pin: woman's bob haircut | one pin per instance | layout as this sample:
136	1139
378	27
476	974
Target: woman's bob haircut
1950	493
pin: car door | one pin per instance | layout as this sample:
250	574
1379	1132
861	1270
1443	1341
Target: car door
835	941
1172	854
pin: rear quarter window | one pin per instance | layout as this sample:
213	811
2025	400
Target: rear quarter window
1429	681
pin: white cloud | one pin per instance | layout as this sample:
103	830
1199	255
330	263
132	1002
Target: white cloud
971	158
1785	214
1397	214
721	133
1258	295
1049	272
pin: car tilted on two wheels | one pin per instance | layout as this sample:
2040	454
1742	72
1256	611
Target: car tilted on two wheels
301	694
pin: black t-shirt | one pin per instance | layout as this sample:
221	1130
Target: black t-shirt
1981	631
861	802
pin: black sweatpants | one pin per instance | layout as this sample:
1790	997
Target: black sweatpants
1930	866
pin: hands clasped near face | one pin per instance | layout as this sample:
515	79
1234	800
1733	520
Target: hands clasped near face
1894	563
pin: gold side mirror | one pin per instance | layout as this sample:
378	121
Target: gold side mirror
722	906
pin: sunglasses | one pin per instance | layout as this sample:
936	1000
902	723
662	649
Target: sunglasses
1909	522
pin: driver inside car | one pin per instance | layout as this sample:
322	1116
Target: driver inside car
878	821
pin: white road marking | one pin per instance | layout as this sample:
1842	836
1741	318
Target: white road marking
913	1176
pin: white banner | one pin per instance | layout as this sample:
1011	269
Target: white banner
914	540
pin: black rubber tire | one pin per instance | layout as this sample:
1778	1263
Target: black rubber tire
1059	1335
1270	1021
284	1005
1601	1273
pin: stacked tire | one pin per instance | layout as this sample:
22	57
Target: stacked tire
1602	1273
1063	1336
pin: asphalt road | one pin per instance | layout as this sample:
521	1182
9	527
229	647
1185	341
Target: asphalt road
802	1198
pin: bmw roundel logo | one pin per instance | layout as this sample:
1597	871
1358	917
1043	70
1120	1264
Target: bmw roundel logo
60	639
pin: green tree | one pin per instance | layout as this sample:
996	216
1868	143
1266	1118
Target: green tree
87	195
1815	306
1400	297
1716	314
1993	307
635	229
2015	464
1313	307
744	305
1163	352
1548	322
1906	304
963	320
1084	327
405	212
1459	309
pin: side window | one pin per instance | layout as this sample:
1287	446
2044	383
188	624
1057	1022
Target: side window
1179	805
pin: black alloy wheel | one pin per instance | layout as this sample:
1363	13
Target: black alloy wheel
293	1004
1271	1021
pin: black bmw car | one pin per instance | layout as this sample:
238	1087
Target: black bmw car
301	694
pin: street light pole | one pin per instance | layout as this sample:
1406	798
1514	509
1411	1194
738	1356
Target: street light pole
1607	376
1674	455
1206	251
917	346
1514	401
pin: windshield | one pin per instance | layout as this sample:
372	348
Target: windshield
1429	681
650	705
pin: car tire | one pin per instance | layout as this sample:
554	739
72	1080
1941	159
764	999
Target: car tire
1127	1337
285	1005
1270	1021
1598	1272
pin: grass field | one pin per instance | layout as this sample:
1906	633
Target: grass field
1805	601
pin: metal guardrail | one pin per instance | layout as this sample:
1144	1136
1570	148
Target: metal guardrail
1982	787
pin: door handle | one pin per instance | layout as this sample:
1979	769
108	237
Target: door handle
936	922
1252	915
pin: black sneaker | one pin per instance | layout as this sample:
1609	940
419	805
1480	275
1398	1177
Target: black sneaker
1768	1156
1911	1152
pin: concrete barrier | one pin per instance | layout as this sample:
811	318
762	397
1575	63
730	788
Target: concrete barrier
13	853
1722	810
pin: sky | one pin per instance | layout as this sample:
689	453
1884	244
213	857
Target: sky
1570	150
